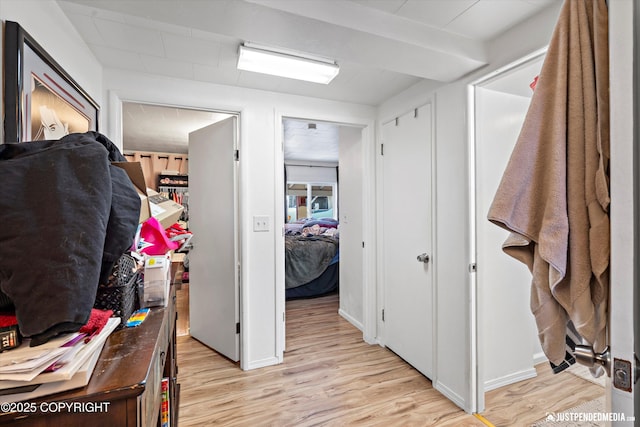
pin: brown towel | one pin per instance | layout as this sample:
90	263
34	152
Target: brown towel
554	195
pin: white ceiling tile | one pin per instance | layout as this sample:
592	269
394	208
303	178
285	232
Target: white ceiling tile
88	29
436	13
169	67
130	38
125	59
223	76
90	12
161	27
172	137
540	3
488	18
190	49
389	6
214	37
302	142
228	56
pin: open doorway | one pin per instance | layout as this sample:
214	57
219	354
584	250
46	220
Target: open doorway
323	213
157	136
500	102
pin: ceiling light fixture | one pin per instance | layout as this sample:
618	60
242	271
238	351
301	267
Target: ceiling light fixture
284	63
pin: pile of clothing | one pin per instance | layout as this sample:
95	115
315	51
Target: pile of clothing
313	227
68	214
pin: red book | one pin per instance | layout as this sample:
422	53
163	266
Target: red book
164	408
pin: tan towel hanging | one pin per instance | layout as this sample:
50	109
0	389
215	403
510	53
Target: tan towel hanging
554	195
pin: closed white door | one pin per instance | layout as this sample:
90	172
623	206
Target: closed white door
213	262
407	238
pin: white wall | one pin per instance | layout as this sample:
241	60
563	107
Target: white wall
454	365
45	22
351	192
260	176
506	325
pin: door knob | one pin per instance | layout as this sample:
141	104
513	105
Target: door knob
585	355
423	258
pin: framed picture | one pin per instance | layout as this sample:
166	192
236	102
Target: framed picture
41	101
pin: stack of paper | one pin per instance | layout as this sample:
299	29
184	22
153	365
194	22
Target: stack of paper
61	364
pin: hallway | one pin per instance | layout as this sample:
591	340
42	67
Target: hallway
330	377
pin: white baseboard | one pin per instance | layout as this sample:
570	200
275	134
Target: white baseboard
539	358
510	379
450	394
255	364
350	319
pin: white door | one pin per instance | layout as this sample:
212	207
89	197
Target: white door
407	238
213	261
351	219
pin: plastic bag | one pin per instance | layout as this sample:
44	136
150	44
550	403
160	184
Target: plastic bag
154	239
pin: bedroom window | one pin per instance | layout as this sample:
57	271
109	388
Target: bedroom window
322	197
321	201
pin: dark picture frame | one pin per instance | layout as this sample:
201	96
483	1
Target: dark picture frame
41	100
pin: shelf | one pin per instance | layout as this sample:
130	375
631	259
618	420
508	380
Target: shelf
173	180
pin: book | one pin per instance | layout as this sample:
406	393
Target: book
79	379
164	408
81	352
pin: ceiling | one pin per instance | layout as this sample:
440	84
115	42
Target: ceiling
310	141
382	46
160	128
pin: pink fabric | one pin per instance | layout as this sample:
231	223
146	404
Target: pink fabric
155	236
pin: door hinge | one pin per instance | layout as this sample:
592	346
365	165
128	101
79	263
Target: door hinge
363	244
236	155
382	149
383	314
237	327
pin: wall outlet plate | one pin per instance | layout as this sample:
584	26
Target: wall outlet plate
261	223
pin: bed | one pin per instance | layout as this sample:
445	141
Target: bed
312	255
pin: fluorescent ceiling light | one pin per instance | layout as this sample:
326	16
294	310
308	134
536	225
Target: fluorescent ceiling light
286	64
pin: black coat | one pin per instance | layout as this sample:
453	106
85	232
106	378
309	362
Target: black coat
66	216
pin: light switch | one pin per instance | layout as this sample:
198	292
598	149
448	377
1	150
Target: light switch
261	223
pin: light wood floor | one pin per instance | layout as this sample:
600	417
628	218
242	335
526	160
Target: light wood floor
330	377
182	303
525	402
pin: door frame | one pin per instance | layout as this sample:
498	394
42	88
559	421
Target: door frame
369	331
624	169
476	362
114	127
624	303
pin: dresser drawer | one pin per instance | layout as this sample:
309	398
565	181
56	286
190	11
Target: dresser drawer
149	400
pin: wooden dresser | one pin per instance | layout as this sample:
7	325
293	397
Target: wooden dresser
124	389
